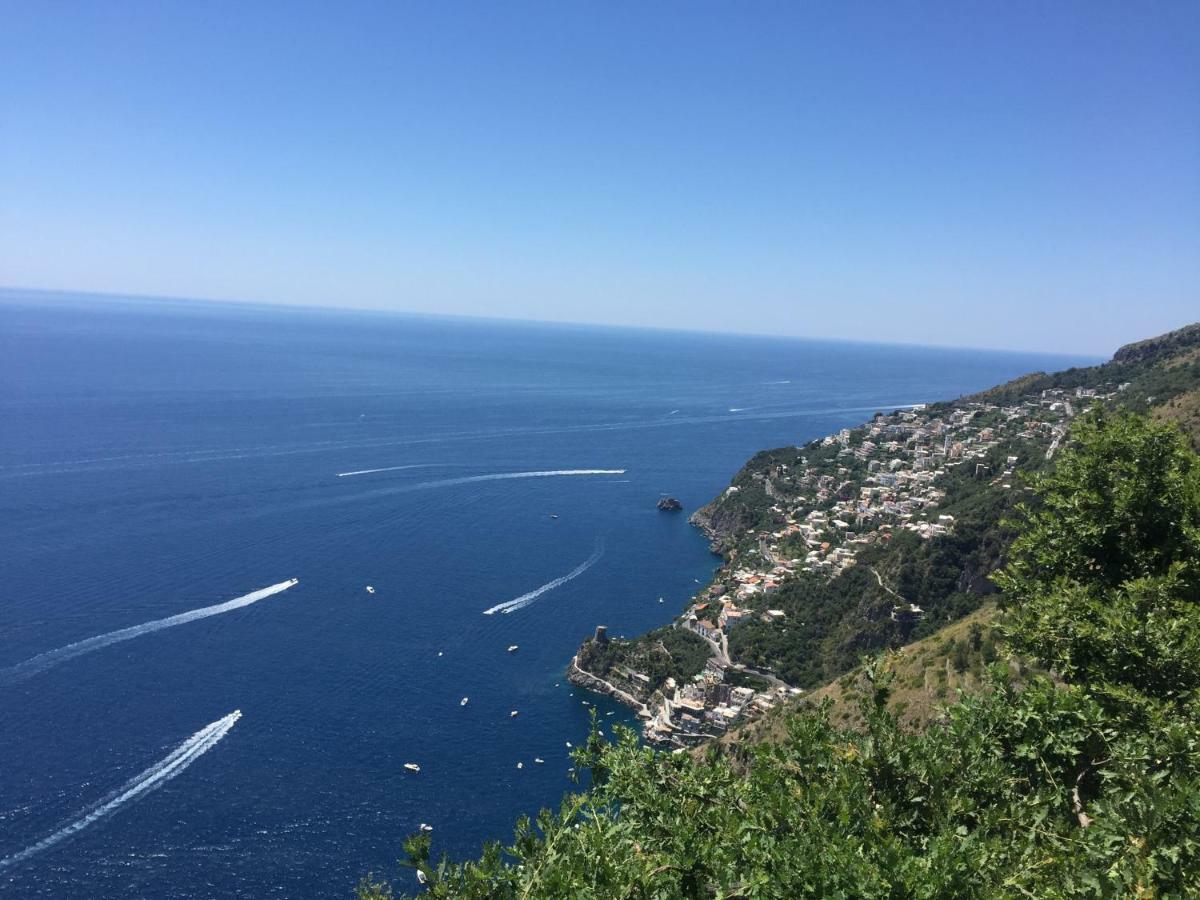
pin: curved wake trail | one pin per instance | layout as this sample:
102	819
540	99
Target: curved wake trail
155	776
385	469
525	599
504	476
44	661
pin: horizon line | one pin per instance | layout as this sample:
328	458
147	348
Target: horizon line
1091	358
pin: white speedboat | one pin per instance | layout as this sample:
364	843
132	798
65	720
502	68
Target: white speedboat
513	648
513	713
370	590
412	767
463	701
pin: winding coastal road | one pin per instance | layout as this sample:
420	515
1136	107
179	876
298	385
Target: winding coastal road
721	651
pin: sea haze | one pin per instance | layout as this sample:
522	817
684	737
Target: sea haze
162	458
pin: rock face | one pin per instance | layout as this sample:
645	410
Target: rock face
720	524
1164	345
669	504
588	681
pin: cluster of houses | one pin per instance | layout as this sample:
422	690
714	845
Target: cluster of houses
706	707
860	485
839	495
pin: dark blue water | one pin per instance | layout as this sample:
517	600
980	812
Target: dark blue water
157	458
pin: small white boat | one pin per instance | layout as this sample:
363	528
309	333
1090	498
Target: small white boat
568	743
439	653
370	590
513	713
425	827
554	515
538	760
412	767
463	701
608	713
520	765
513	648
420	876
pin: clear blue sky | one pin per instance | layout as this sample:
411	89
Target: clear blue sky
1004	174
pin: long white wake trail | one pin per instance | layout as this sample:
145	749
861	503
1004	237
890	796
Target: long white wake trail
385	469
155	776
44	661
525	599
504	476
496	476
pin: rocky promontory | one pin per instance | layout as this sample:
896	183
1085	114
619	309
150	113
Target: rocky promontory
597	685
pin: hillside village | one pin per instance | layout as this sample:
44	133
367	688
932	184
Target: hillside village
820	509
861	484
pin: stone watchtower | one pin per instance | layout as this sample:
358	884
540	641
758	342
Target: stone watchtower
601	634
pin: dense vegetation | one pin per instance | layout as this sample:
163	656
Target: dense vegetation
1085	784
663	653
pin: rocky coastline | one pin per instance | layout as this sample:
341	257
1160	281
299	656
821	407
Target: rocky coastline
597	685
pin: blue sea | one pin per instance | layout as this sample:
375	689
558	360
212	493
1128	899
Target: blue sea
160	457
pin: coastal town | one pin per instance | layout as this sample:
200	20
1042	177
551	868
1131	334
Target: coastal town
822	505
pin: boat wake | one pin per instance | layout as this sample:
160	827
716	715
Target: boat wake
525	599
386	469
44	661
504	476
155	776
